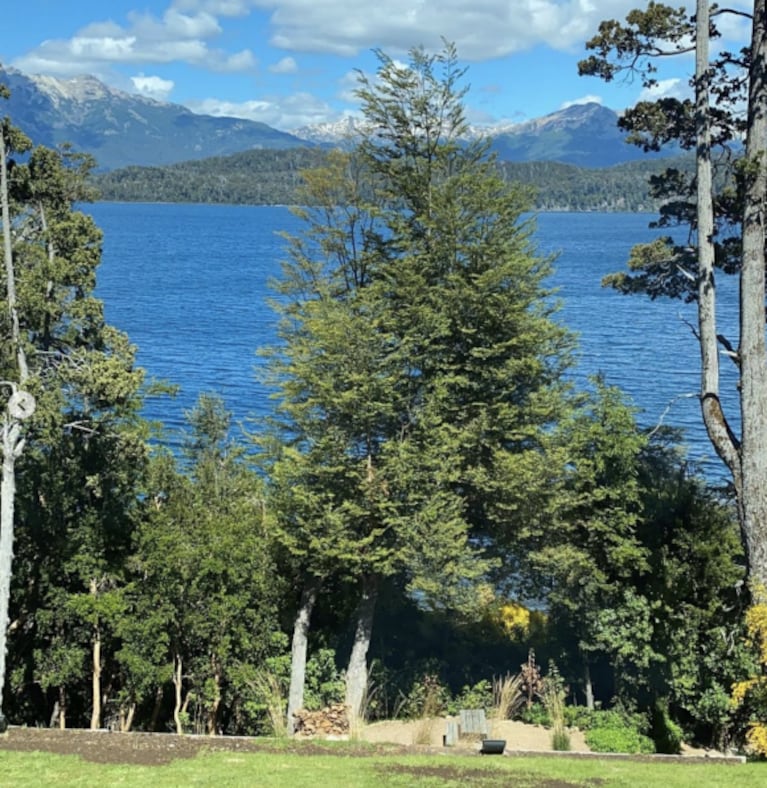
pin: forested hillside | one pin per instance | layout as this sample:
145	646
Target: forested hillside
272	177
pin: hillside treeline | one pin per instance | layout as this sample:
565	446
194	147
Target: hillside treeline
272	177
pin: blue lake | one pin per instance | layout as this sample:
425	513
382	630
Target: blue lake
189	284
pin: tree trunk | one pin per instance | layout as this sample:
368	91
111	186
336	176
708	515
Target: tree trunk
62	708
722	438
588	686
216	702
357	670
177	682
156	709
10	436
753	359
13	443
299	648
96	669
126	718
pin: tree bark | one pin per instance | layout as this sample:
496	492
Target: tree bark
588	687
177	684
719	433
126	718
62	708
753	359
357	670
11	449
216	702
298	650
96	668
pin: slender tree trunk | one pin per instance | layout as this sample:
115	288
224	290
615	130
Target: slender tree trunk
11	450
126	718
177	684
588	686
62	708
96	668
357	670
722	439
12	441
753	359
54	715
216	702
299	648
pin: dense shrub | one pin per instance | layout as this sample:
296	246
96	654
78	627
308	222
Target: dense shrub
618	739
666	734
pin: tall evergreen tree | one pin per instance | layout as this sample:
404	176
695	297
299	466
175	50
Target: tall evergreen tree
420	367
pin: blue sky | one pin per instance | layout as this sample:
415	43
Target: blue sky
291	63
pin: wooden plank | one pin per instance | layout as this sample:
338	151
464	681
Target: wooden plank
473	721
451	735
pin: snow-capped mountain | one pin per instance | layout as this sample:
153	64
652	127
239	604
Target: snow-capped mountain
121	129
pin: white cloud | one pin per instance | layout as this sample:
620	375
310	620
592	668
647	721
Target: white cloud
154	87
589	99
481	30
182	33
284	112
287	65
666	88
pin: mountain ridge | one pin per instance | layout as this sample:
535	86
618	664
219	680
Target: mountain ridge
124	129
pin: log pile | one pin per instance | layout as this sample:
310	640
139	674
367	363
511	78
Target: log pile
331	721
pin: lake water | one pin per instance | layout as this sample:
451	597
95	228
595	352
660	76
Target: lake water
189	284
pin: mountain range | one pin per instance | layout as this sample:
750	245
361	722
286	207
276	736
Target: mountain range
121	129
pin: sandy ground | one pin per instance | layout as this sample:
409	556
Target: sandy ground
429	732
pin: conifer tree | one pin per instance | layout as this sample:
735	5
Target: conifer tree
420	367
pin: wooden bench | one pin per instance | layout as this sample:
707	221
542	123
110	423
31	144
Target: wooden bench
469	722
473	721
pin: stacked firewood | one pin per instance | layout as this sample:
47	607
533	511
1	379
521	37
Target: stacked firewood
333	720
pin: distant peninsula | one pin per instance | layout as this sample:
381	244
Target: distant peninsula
272	177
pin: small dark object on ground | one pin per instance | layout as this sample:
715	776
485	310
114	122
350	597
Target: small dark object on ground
492	747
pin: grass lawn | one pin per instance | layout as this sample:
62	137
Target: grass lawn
337	769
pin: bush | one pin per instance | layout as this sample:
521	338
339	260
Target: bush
480	696
618	739
666	734
536	714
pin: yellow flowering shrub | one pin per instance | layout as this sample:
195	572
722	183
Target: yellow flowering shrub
753	691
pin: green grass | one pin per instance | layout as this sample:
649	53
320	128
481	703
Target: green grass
339	770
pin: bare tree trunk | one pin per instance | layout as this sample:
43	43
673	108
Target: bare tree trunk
588	686
62	708
753	358
96	669
177	682
722	438
298	650
54	715
126	718
357	670
13	443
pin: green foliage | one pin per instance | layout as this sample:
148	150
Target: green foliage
664	732
427	697
560	740
618	739
536	714
476	696
271	177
